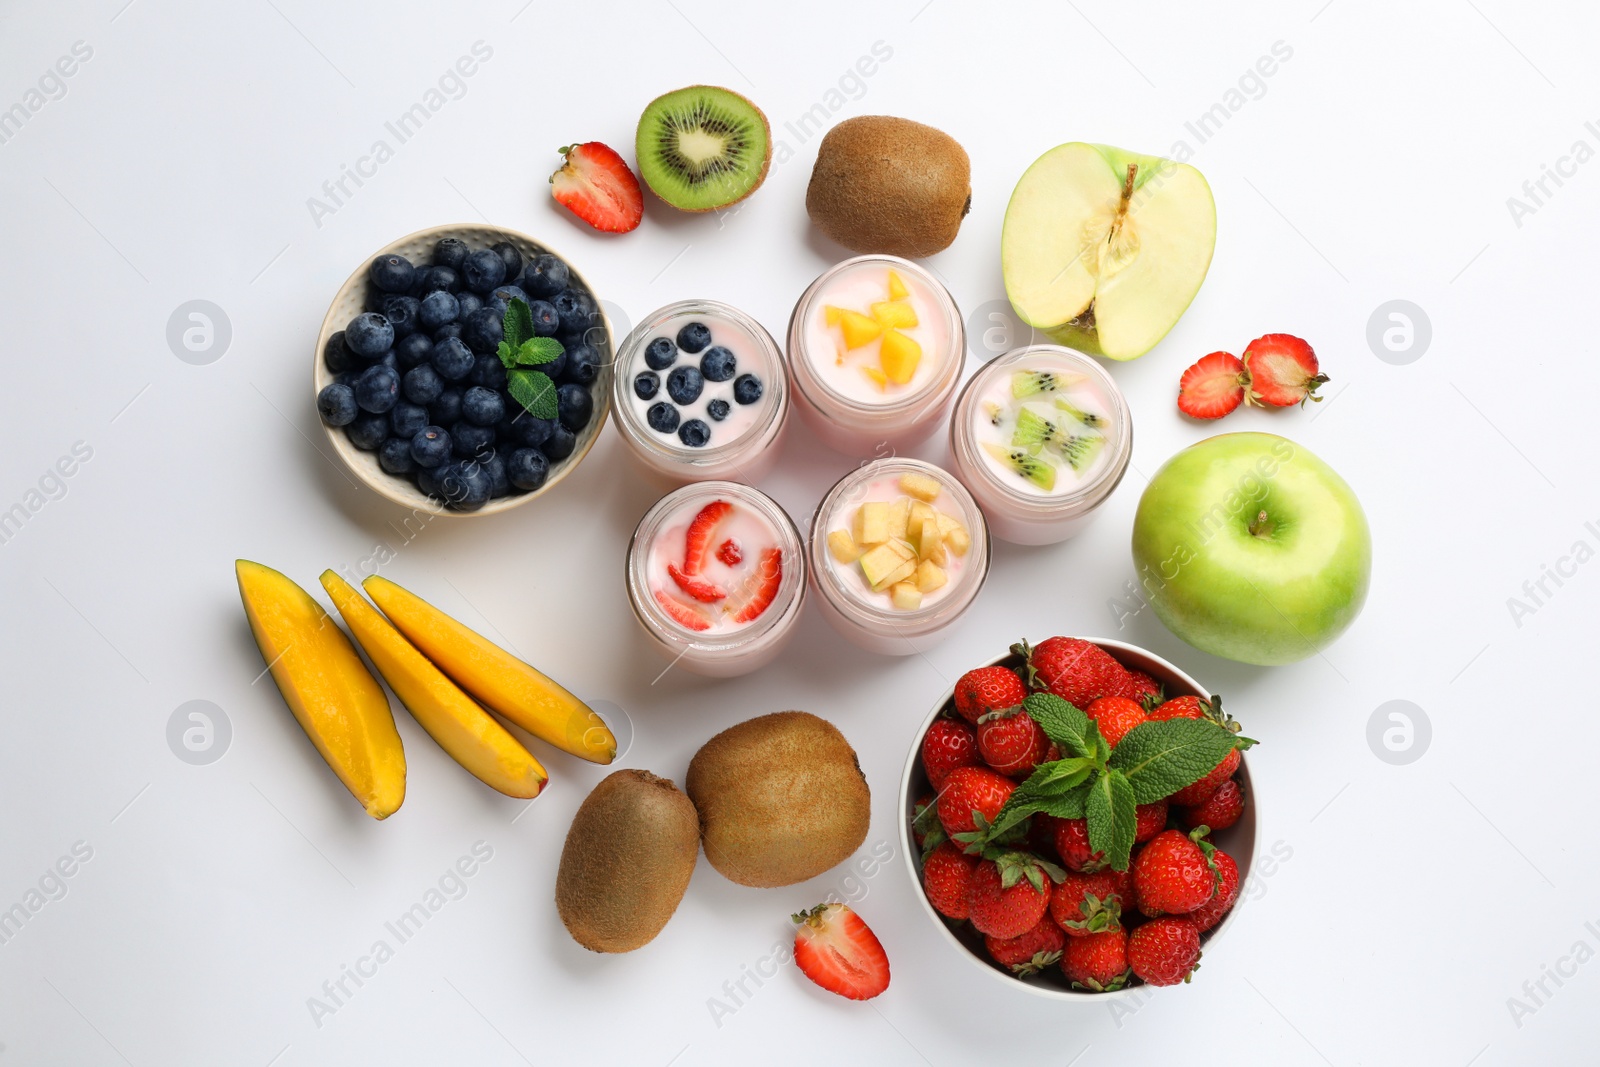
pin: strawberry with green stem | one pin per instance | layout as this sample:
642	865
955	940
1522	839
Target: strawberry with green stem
1097	963
1028	953
1164	951
838	951
1008	893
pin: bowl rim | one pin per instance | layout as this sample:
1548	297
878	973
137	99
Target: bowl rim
380	482
912	854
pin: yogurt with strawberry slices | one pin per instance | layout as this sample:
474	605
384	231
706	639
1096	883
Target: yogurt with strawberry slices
717	577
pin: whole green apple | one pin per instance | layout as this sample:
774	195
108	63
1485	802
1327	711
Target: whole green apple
1251	548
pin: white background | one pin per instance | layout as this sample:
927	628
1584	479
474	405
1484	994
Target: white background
1375	165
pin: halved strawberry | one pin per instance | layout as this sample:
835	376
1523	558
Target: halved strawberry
840	953
1214	386
758	591
729	552
681	613
1283	371
596	185
697	542
702	590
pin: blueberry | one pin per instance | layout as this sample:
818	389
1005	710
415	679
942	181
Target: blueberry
576	310
717	364
413	351
339	358
445	409
468	303
747	389
575	405
388	359
440	280
684	384
438	308
583	364
368	431
561	443
488	372
453	359
529	432
449	252
419	283
369	335
425	479
482	270
694	433
377	389
430	446
403	313
449	329
337	405
501	298
662	417
718	410
646	385
407	419
482	406
468	440
499	484
510	257
391	273
527	469
422	385
556	367
660	353
348	378
545	320
465	485
546	276
694	336
394	456
483	330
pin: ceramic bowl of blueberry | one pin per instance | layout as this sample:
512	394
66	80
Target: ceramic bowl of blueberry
463	370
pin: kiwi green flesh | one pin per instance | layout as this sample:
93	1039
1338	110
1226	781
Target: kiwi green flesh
702	148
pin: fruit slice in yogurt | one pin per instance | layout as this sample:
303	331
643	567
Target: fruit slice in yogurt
1043	429
902	542
715	567
881	332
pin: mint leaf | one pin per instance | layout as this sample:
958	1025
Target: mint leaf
537	351
1112	817
1051	788
1067	805
534	390
518	323
508	356
1160	758
1061	723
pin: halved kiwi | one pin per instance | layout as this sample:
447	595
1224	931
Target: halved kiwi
703	148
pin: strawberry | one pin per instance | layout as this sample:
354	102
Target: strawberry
1203	790
1164	951
1283	371
1091	902
947	880
924	817
1214	386
838	951
1042	834
681	613
1008	895
596	185
972	794
1211	912
987	689
1011	742
1218	811
1115	716
729	552
1174	874
697	542
1150	820
1030	952
702	590
1181	708
759	590
1074	670
948	744
1072	845
1146	690
1097	962
1192	707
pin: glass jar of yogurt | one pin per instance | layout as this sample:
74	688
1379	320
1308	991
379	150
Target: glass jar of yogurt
899	551
1041	436
700	392
716	575
875	349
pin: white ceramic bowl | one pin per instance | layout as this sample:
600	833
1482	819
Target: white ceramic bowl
350	301
1238	841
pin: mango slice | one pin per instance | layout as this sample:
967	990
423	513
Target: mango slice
473	738
336	700
499	680
877	376
897	287
896	313
858	329
899	356
830	314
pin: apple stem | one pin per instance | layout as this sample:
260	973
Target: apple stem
1261	527
1122	206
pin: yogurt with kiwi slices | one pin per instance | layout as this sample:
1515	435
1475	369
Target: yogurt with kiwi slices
703	148
1042	428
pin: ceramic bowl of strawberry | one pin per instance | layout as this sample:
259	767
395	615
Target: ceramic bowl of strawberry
1083	915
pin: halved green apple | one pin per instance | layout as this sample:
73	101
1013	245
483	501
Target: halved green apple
1104	249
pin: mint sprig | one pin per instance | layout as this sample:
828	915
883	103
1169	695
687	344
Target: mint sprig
520	351
1159	758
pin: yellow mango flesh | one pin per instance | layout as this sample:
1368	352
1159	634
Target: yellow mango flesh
899	355
897	287
896	313
473	738
494	676
336	700
858	329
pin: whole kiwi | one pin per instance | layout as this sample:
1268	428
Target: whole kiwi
627	861
889	185
781	799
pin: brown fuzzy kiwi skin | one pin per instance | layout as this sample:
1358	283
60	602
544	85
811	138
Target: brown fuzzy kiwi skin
627	861
890	186
766	162
781	799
